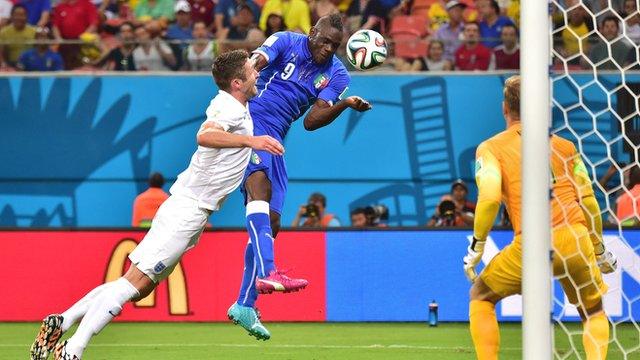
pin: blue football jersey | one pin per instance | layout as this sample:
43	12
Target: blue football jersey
291	82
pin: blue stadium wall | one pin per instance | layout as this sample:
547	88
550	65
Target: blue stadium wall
75	151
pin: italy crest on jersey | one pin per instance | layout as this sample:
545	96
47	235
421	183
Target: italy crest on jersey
255	159
321	81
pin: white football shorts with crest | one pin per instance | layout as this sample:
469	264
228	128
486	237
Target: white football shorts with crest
175	229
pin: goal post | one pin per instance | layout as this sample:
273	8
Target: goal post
535	107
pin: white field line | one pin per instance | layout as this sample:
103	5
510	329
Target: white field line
281	346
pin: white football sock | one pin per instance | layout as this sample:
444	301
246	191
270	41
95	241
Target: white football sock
102	310
79	309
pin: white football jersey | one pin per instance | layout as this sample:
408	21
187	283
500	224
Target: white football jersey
214	173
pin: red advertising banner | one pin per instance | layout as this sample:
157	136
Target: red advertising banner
47	271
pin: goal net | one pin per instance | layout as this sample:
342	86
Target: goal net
595	93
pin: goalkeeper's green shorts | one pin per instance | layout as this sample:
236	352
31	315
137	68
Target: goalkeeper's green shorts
574	264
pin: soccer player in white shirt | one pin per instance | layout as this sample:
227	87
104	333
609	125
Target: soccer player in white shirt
225	141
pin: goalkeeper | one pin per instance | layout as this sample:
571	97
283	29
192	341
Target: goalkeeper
579	253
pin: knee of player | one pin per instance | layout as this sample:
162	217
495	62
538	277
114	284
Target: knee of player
480	291
258	186
143	293
585	314
474	293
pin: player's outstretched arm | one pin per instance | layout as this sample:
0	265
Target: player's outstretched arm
323	113
212	135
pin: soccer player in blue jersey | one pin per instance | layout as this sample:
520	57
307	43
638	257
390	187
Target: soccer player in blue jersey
297	73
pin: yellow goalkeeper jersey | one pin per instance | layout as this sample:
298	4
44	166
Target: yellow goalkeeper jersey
499	178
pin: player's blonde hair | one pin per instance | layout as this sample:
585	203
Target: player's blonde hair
512	96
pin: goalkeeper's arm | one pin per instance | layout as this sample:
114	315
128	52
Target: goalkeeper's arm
607	262
489	181
591	211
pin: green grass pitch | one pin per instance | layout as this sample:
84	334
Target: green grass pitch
367	341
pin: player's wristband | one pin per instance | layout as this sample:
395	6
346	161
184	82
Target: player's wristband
478	242
599	249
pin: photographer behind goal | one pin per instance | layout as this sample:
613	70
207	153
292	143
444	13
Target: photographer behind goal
454	209
314	214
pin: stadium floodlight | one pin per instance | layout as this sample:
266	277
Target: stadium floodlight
536	232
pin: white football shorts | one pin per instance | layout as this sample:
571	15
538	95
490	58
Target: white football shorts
175	229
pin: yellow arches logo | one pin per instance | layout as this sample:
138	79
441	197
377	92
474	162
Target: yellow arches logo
177	285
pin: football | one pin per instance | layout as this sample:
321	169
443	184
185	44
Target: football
366	49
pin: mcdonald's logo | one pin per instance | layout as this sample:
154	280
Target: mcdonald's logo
177	285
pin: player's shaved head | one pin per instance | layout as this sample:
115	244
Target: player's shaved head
325	37
512	96
229	66
333	20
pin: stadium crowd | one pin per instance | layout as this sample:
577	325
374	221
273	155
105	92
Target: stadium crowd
166	35
424	35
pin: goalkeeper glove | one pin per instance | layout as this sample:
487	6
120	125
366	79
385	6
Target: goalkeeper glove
607	262
473	257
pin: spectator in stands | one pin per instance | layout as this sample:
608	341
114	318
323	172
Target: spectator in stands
71	18
5	12
121	57
359	218
632	22
40	57
118	10
435	60
202	51
244	26
492	23
576	29
296	14
161	10
451	32
438	14
620	49
454	209
38	11
628	204
511	9
472	55
109	39
275	23
181	30
146	204
179	34
367	14
320	8
152	53
202	10
17	37
507	55
226	15
90	48
314	214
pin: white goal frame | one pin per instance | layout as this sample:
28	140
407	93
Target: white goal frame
537	340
